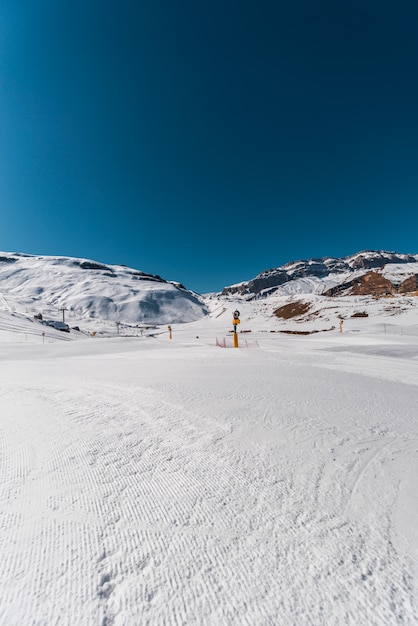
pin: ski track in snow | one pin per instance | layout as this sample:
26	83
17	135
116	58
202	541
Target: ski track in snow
213	488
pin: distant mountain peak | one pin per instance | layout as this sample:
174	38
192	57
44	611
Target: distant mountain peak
269	281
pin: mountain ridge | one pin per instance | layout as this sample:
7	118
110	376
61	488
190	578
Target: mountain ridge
269	281
90	290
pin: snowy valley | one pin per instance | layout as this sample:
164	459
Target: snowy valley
150	481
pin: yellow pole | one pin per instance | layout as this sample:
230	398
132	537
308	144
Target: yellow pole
169	330
235	321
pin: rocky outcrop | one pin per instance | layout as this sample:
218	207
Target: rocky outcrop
262	282
409	285
376	260
371	283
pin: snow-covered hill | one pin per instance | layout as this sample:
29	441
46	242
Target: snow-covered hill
88	289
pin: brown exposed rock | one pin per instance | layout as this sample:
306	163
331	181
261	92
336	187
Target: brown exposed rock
374	284
371	283
409	285
293	309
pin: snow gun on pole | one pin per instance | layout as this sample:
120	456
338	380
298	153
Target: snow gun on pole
235	321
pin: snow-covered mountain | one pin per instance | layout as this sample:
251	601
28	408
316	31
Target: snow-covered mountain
307	296
87	289
312	296
321	275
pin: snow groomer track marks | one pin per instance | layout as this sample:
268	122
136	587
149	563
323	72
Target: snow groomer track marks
219	489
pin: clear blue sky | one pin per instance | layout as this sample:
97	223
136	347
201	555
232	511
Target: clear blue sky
206	140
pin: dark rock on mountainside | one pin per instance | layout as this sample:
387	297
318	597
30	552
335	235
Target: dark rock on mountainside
273	278
368	284
269	281
91	265
379	260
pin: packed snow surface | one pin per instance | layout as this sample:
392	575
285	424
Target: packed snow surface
149	481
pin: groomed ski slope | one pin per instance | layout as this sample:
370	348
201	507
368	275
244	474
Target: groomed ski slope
155	482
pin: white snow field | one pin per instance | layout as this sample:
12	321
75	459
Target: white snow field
154	482
91	290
